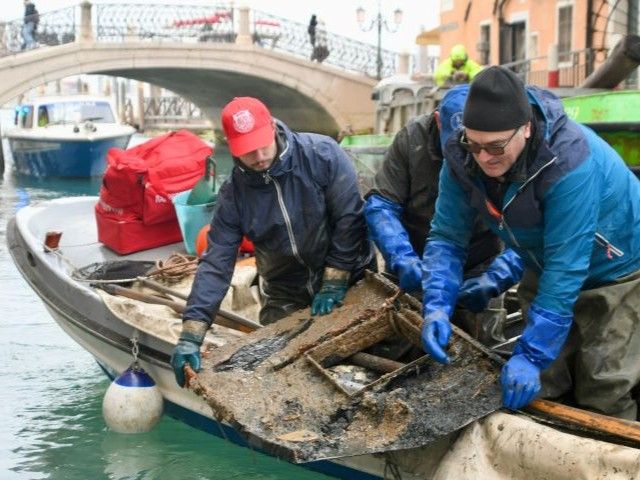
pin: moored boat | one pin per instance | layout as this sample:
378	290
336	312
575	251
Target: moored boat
367	153
65	136
114	328
613	115
94	319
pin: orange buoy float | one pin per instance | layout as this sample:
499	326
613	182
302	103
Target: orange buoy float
201	240
246	247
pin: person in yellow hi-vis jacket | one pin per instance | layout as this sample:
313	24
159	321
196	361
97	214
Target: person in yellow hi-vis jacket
458	68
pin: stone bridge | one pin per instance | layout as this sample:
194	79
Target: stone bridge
207	55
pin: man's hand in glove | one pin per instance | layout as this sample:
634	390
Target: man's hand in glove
188	348
335	283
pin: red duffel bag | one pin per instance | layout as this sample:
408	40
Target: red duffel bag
135	211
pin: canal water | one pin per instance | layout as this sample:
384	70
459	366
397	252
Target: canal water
51	390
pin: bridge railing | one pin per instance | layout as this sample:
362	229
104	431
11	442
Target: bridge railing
218	22
54	28
571	72
159	23
171	106
271	31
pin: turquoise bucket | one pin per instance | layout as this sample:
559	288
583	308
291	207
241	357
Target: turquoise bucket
191	219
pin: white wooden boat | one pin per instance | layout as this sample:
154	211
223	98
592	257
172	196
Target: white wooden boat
501	445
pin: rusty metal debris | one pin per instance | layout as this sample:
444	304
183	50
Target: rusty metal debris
297	389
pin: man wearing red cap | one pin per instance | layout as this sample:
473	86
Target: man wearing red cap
295	196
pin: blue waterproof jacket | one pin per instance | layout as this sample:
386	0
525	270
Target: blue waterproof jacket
575	219
303	214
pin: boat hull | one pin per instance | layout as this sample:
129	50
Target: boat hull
82	314
614	116
42	157
182	404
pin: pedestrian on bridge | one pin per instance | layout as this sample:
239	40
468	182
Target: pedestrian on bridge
30	25
399	209
311	30
320	42
564	200
295	196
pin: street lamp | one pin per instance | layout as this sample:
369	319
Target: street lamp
379	22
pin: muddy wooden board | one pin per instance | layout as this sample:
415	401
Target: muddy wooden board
291	389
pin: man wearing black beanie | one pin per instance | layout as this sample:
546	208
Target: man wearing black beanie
564	200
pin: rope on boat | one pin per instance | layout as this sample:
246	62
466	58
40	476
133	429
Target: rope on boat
173	269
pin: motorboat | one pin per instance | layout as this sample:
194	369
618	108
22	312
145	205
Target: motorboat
276	390
615	116
65	136
367	154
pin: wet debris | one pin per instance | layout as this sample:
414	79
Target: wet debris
349	383
246	358
352	378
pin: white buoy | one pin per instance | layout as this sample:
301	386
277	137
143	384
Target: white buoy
133	403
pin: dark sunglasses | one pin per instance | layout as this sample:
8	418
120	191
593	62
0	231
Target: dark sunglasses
473	147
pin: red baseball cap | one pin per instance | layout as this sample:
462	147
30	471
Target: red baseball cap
247	124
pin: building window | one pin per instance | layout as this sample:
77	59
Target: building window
484	45
513	41
565	31
446	5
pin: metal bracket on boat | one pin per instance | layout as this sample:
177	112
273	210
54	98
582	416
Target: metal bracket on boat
135	350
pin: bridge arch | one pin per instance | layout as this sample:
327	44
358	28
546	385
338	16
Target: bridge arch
308	96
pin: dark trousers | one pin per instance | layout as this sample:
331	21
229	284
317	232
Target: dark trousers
281	300
600	362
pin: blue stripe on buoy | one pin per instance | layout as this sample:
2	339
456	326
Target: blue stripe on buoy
135	378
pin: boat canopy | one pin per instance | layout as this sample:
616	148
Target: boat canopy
64	112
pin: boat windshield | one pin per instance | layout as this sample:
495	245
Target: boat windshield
24	116
75	112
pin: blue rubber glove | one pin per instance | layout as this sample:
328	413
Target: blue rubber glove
188	348
409	272
502	274
520	382
441	280
391	238
436	332
539	345
335	283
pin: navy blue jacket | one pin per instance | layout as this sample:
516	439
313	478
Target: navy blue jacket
303	214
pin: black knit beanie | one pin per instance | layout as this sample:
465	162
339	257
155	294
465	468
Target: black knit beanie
497	101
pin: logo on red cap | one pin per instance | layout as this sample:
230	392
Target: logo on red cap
243	121
247	124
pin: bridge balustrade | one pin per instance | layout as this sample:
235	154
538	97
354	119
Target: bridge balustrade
164	23
171	106
278	33
54	28
220	22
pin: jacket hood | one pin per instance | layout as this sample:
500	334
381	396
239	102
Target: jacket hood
551	108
